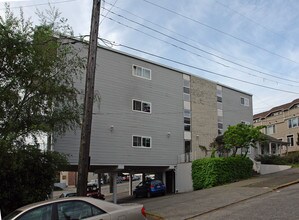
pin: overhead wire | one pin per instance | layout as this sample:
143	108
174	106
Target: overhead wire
250	19
185	37
40	4
220	31
181	48
108	10
198	68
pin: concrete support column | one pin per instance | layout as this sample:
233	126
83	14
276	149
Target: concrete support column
130	184
164	178
99	182
114	188
270	150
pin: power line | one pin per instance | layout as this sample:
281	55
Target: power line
248	18
201	69
181	48
26	6
220	31
258	71
108	10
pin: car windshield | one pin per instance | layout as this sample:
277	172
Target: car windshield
11	215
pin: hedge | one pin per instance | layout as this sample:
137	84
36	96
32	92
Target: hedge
209	172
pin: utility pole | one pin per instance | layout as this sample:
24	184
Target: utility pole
88	100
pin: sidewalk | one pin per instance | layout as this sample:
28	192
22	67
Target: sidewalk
192	205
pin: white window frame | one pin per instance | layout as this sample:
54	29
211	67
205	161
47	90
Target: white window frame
291	121
291	136
142	137
134	73
246	122
141	102
273	131
246	101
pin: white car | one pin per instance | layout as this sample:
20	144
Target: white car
78	208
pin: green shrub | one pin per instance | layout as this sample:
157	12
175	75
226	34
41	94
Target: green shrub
209	172
290	158
272	159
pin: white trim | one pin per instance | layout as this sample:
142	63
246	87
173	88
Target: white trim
142	69
246	101
151	142
141	106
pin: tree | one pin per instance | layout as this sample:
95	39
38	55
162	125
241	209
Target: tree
37	76
219	146
242	136
37	97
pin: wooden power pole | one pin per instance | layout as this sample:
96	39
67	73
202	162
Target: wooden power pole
88	100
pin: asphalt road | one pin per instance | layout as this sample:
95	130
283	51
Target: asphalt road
278	205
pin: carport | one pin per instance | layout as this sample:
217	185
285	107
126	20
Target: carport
165	173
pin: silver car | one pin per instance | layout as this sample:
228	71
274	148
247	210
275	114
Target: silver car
78	208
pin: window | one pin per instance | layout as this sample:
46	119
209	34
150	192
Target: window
186	97
219	99
186	90
44	212
220	125
270	129
219	105
244	101
141	141
219	112
245	122
142	106
77	210
187	83
220	131
142	72
293	122
187	113
290	139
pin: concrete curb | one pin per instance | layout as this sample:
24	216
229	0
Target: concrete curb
153	216
242	200
286	185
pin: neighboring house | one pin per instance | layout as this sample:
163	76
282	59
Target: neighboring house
270	146
282	123
151	117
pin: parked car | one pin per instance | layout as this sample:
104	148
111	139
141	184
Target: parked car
95	183
92	191
67	194
78	208
135	177
149	188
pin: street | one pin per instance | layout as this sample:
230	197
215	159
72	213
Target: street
272	196
281	204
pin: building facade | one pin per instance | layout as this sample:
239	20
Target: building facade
149	117
282	123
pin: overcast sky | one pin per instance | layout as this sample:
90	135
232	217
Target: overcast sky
250	45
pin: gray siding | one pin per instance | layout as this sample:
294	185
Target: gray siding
117	87
233	111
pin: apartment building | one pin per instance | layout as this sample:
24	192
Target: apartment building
149	116
282	123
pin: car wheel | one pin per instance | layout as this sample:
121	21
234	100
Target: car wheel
148	194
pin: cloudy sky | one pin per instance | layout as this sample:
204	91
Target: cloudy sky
251	45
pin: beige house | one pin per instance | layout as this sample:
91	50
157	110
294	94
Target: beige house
282	123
